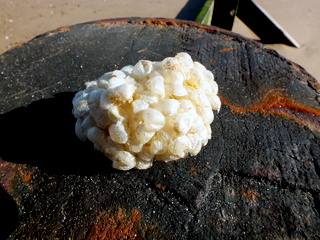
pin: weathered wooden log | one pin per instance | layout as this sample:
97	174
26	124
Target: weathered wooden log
258	177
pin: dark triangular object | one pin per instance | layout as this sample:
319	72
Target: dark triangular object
262	24
257	19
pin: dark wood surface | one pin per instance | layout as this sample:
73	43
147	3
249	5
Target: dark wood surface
258	177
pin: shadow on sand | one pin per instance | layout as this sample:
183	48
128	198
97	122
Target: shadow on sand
191	10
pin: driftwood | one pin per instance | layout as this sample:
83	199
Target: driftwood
258	177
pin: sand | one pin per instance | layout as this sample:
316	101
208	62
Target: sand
21	20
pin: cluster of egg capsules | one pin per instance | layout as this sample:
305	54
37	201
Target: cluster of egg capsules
152	110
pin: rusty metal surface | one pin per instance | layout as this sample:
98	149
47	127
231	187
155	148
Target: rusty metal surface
258	177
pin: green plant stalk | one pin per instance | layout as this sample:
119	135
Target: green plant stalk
205	14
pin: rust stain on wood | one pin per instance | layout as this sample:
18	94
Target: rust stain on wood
8	174
13	174
143	21
63	28
17	46
159	22
58	30
160	186
193	171
251	196
227	49
277	102
118	225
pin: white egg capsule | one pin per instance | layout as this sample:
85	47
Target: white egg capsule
139	105
142	134
150	110
168	106
118	133
156	85
153	119
142	68
123	160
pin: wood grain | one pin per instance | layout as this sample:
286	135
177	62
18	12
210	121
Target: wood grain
258	177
